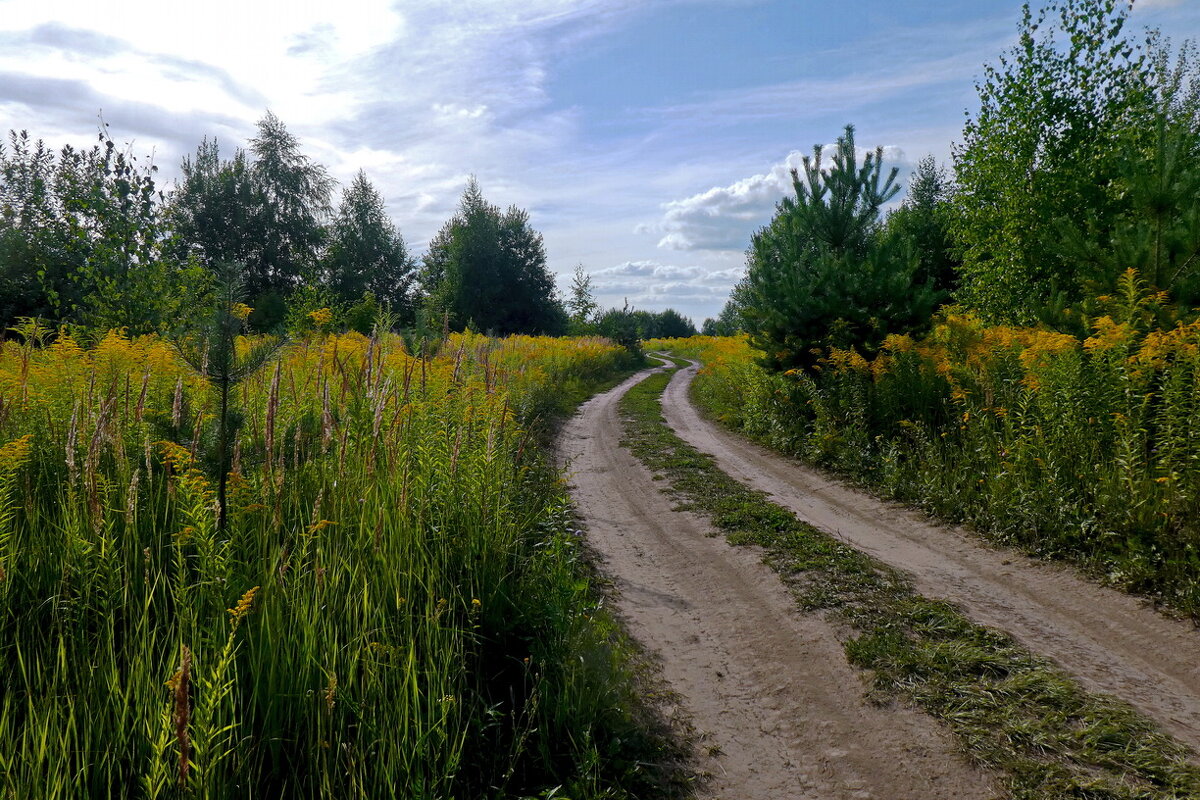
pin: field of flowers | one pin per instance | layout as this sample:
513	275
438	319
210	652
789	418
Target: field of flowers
1081	448
394	606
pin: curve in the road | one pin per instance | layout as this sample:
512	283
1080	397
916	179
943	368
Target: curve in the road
1109	641
782	713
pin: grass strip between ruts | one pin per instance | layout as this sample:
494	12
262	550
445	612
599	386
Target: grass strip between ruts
1011	710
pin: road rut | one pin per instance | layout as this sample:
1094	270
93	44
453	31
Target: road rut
1111	642
781	712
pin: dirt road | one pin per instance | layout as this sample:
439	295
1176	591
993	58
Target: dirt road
1110	642
781	712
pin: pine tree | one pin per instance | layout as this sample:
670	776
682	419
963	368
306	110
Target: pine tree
212	352
366	254
487	269
923	221
820	276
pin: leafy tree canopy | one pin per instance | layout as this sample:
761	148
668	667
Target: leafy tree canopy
486	269
1058	113
265	209
81	238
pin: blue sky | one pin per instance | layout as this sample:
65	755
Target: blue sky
647	139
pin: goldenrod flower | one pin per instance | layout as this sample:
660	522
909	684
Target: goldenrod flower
243	606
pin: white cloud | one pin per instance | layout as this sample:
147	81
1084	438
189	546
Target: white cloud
724	217
619	274
288	52
693	290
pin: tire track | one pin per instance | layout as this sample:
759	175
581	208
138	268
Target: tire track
1111	642
781	712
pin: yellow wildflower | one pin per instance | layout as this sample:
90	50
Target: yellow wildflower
243	605
321	317
1109	334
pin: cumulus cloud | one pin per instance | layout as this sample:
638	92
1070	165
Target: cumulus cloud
724	217
620	274
690	289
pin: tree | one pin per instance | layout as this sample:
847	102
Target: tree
366	254
213	353
581	304
673	325
81	238
1155	228
33	238
820	276
487	269
295	193
731	321
923	221
620	325
215	208
265	210
1056	115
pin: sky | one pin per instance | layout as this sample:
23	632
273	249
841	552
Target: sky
648	139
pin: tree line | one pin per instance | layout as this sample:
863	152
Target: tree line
89	238
1083	161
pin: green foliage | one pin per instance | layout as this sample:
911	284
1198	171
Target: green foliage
820	275
1156	228
81	239
670	324
214	208
295	196
303	310
416	617
213	353
486	269
1085	451
366	254
1059	114
581	304
923	223
731	320
267	213
620	325
33	236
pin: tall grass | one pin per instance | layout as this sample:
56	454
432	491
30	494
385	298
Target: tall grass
396	608
1081	448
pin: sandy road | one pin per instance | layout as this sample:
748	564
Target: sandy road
1110	642
781	712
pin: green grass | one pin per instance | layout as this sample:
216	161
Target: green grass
1011	711
412	613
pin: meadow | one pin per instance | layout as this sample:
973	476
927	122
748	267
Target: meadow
395	604
1082	448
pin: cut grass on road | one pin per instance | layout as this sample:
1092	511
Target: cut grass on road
1011	710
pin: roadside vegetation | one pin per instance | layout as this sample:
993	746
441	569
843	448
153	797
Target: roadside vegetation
277	518
389	600
1011	711
1015	345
